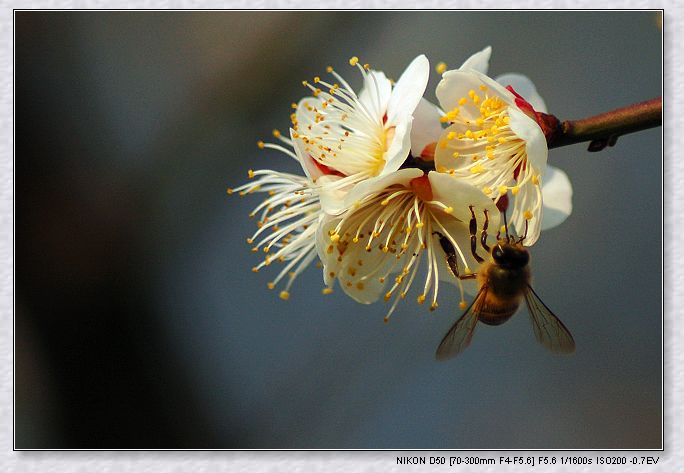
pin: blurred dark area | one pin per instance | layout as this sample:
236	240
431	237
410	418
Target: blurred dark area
139	325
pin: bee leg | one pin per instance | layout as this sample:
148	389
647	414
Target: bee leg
525	234
473	236
483	235
452	259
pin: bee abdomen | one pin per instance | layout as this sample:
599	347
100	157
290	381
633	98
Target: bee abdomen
497	314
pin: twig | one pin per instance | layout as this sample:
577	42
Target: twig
604	129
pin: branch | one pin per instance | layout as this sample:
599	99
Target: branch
604	129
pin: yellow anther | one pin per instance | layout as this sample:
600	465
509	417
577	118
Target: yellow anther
329	69
503	190
293	105
515	190
535	179
317	80
441	67
229	191
443	144
255	269
477	169
353	61
462	101
250	174
384	202
476	99
334	237
494	130
502	140
448	210
260	144
467	270
502	229
433	306
490	154
462	305
270	285
451	135
420	225
442	169
483	87
487	190
355	239
327	290
469	134
267	249
305	83
250	241
420	299
507	120
471	93
284	295
455	154
528	215
388	295
366	66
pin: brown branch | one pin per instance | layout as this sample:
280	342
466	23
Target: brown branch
604	129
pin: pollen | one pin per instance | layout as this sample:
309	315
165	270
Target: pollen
327	290
455	154
420	299
462	305
515	190
483	87
329	69
270	285
229	191
449	210
334	237
284	295
528	215
433	306
255	269
359	286
260	144
477	169
503	190
353	61
250	174
535	179
462	101
388	296
420	225
487	190
441	67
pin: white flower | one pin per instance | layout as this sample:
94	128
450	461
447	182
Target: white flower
357	137
391	223
494	143
288	218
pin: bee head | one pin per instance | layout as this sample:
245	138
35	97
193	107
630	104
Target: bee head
510	256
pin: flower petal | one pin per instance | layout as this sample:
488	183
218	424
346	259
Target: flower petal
479	61
312	171
557	192
529	131
456	84
408	90
332	198
376	93
460	195
376	184
399	148
426	127
523	86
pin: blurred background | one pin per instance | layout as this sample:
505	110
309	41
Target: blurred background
138	323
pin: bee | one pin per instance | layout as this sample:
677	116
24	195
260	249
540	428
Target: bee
503	283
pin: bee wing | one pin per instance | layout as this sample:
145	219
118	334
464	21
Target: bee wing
548	329
460	334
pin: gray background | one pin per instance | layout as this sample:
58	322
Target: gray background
139	324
